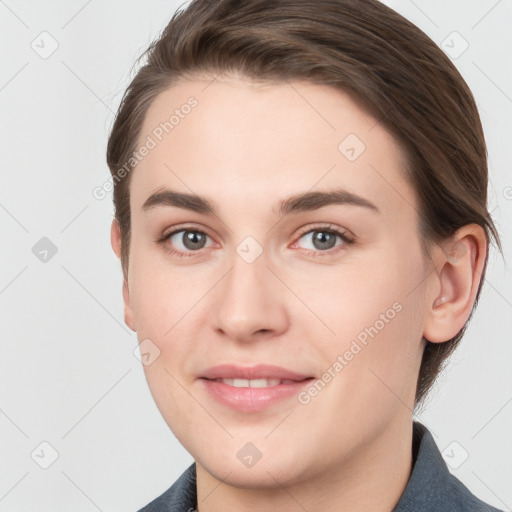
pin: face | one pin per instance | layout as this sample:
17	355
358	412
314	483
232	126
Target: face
276	277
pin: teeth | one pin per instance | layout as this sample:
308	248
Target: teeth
253	383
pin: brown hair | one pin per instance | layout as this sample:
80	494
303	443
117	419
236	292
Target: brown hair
361	47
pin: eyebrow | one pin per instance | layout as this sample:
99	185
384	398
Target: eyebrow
308	201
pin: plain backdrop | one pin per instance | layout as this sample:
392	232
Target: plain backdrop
73	396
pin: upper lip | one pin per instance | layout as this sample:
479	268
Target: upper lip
260	371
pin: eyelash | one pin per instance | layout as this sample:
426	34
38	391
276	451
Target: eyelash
323	229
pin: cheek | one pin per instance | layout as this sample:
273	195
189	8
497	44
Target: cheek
159	295
352	298
371	370
170	309
167	313
376	317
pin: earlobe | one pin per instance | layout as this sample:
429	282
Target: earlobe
460	263
128	313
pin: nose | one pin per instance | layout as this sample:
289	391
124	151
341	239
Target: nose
250	302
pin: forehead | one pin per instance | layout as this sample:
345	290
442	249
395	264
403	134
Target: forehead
235	139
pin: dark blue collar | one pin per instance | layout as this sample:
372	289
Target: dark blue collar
431	486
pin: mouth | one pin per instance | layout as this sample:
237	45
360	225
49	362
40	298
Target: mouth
252	389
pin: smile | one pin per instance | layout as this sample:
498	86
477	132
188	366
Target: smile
255	383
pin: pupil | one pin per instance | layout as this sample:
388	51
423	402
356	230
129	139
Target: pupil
323	240
193	240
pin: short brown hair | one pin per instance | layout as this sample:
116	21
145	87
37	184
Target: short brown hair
361	47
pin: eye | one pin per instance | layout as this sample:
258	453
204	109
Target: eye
183	242
324	239
188	242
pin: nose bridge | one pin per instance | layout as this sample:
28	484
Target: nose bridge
249	273
247	302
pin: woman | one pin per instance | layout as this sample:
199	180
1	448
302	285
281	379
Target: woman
300	213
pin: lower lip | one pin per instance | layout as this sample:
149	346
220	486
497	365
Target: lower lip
252	399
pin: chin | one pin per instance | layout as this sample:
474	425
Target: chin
270	471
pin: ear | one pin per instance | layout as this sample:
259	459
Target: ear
115	240
459	266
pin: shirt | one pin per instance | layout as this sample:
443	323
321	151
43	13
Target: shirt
430	488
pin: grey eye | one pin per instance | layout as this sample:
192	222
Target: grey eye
189	240
321	239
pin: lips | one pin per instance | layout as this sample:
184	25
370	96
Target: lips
252	389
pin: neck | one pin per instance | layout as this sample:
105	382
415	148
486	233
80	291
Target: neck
372	481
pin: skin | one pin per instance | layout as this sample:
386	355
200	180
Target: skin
247	146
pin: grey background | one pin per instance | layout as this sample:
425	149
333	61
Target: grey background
68	375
